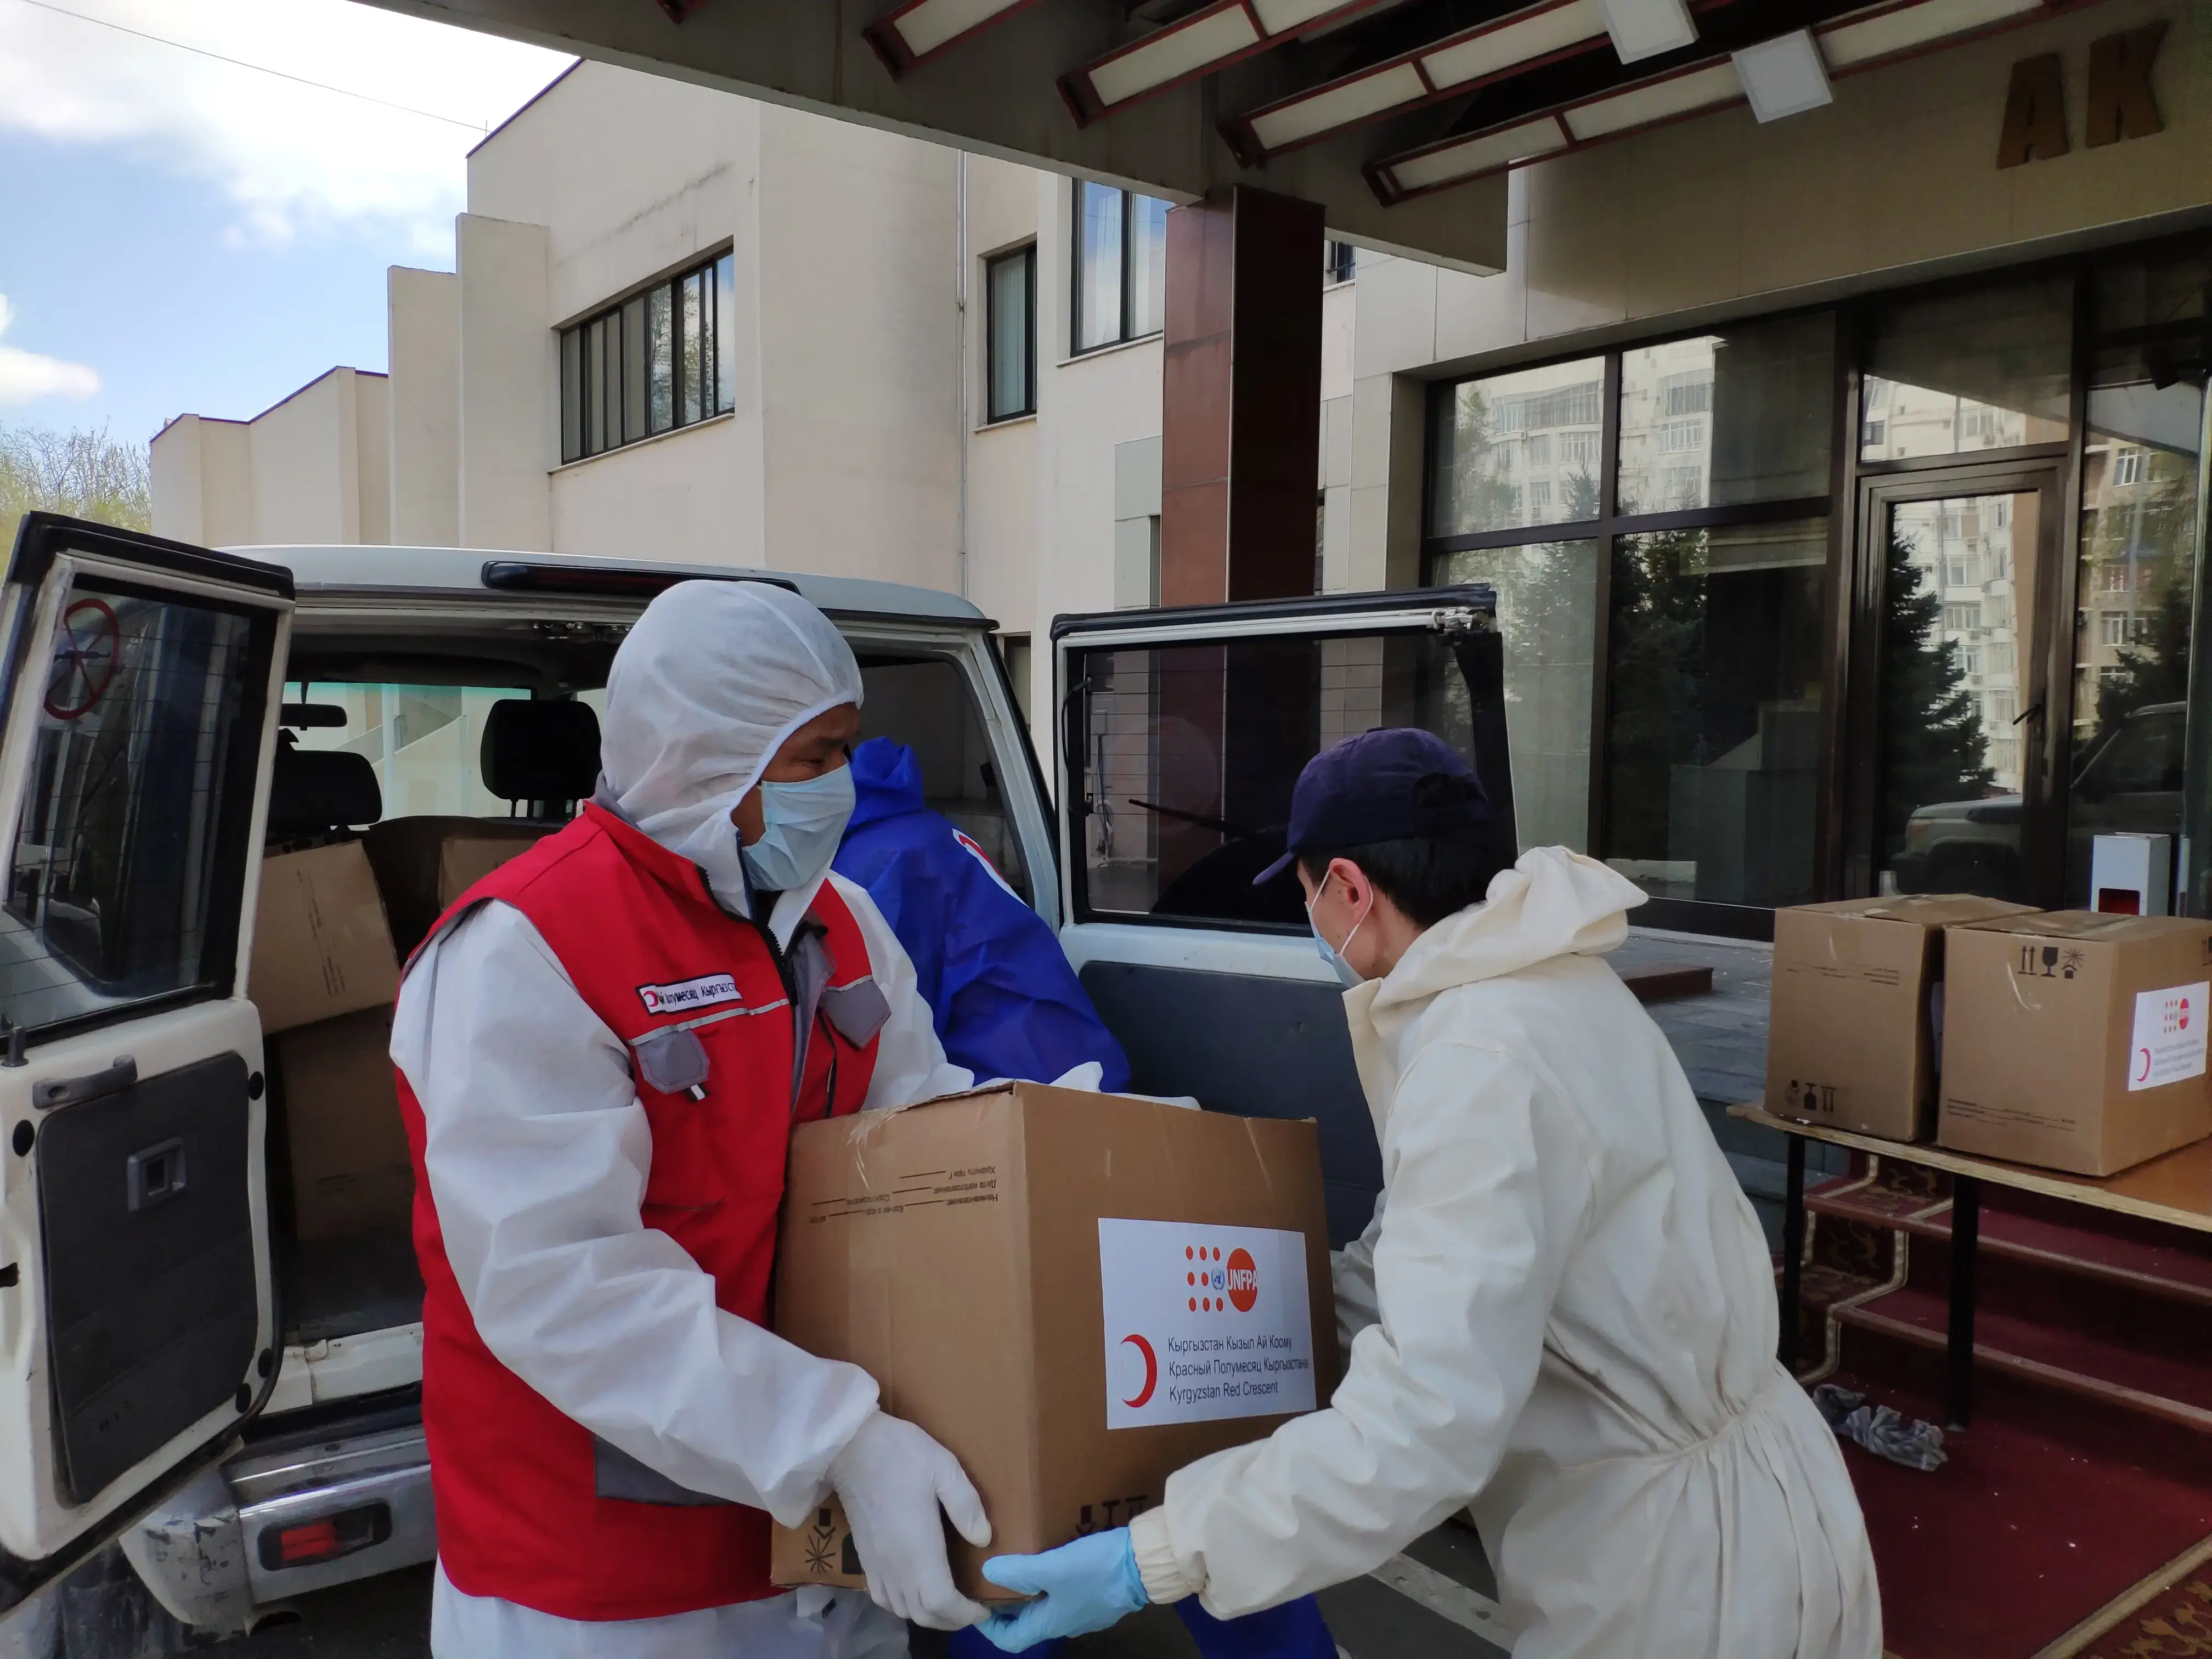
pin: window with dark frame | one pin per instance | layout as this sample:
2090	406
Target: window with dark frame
1677	573
650	363
1010	342
1682	490
1120	266
1339	261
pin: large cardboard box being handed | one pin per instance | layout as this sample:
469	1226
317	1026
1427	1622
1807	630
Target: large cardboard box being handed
1076	1293
1856	1011
2075	1040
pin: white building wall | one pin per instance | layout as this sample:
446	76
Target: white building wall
510	410
424	307
314	467
858	236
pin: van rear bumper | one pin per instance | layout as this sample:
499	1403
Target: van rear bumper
280	1519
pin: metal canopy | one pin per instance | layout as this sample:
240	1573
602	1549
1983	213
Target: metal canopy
1401	118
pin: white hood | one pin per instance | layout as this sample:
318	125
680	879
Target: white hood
702	692
1552	904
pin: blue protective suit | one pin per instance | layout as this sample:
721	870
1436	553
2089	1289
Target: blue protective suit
1007	1004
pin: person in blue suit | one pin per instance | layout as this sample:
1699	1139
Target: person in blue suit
1007	1004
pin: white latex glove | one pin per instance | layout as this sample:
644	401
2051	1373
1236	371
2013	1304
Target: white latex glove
892	1477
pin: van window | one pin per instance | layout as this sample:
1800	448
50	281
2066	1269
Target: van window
123	883
425	741
927	704
1190	751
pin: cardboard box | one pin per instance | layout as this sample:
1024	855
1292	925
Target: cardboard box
423	864
2077	1041
321	947
1852	1039
1077	1294
350	1166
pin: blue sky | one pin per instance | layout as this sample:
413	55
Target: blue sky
180	233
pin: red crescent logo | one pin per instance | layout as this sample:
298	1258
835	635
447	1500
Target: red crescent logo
2144	1075
1152	1371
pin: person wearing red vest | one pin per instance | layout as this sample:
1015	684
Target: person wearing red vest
601	1050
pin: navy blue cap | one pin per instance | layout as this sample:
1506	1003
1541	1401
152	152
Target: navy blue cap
1366	789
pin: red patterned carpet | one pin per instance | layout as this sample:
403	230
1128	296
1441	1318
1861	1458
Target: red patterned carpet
2074	1519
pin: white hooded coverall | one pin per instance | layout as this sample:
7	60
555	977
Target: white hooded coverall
1565	1315
537	1148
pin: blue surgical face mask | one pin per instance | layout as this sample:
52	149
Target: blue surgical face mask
803	823
1331	954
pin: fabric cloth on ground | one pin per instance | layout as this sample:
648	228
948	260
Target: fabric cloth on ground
1881	1429
1575	1329
1007	1003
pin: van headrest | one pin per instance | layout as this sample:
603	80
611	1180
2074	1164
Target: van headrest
535	751
312	792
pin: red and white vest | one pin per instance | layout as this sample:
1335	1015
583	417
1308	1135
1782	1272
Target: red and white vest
532	1508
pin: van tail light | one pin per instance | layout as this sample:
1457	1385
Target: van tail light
311	1543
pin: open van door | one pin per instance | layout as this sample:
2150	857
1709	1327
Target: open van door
1181	734
140	679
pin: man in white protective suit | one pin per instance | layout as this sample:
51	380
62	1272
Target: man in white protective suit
602	1048
1563	1313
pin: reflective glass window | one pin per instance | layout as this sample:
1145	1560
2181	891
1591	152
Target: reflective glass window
1148	264
140	773
648	364
725	357
2134	582
1547	612
1714	678
1010	297
1729	417
1120	266
1957	676
1190	753
1519	449
1098	265
1987	368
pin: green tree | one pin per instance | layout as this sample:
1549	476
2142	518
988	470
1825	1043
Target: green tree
86	475
1934	748
2155	666
1658	650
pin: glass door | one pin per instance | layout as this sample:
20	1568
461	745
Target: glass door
1960	660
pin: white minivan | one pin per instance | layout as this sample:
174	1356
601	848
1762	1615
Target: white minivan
241	1407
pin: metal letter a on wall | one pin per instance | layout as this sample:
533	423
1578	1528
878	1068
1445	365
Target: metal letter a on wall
2035	112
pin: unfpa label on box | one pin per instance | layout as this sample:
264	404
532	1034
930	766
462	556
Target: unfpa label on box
2169	1035
1203	1322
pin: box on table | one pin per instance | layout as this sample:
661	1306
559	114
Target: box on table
1853	1035
1076	1293
2077	1041
321	946
350	1167
423	864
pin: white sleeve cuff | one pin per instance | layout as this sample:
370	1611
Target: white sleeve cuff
1167	1577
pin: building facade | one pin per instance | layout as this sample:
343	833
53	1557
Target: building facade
1843	478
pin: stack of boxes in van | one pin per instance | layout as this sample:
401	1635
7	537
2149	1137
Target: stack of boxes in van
2069	1039
324	977
334	922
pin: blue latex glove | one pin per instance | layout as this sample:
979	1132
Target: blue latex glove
1081	1586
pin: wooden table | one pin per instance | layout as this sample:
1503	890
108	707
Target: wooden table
2176	1190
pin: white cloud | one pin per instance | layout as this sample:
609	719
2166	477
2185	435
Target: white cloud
292	157
25	376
